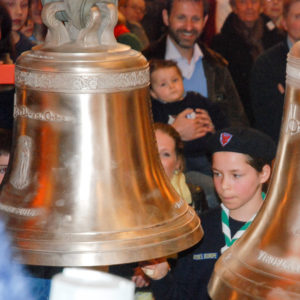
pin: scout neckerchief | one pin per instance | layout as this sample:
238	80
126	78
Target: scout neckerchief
226	229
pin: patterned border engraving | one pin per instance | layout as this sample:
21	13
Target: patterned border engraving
27	212
81	82
49	116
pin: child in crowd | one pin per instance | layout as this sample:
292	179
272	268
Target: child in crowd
18	10
34	28
170	150
241	164
169	100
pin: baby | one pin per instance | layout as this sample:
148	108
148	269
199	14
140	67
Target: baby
169	100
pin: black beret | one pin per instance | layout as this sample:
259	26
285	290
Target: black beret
243	140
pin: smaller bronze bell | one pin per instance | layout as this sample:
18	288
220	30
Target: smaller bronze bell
265	262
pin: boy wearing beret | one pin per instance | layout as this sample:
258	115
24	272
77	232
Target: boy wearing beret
241	164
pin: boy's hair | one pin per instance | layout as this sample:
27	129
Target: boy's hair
156	64
171	132
205	3
5	141
286	6
258	163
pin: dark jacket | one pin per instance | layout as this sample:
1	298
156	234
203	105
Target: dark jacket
220	86
162	111
237	50
189	279
266	99
24	44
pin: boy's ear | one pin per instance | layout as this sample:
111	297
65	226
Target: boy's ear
265	173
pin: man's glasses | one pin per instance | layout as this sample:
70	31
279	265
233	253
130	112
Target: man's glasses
141	10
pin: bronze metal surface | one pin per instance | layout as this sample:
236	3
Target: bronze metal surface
85	185
265	262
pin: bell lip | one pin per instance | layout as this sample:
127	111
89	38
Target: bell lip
70	53
234	279
139	249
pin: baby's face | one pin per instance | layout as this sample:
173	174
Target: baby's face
166	85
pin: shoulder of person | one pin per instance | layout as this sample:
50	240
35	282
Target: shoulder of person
25	42
273	54
213	57
195	96
210	218
156	49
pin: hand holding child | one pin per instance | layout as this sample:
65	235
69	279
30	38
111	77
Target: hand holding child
205	120
192	128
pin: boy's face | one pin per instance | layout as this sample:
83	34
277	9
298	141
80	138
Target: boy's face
4	158
238	184
166	85
18	10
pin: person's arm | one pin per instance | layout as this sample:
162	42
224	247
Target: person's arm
267	97
222	90
176	284
235	109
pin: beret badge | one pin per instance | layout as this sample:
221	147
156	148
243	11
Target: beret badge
225	138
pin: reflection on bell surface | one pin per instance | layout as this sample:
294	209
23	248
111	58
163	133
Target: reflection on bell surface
265	262
85	186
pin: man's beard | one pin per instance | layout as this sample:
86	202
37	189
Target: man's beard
175	36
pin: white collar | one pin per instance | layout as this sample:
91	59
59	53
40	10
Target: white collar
187	68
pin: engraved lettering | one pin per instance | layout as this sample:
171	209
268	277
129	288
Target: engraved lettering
289	265
179	203
23	111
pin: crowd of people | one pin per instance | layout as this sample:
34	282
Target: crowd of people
217	85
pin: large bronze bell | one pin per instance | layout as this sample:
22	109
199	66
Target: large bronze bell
265	262
85	186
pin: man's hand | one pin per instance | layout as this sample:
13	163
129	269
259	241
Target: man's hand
205	119
191	129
